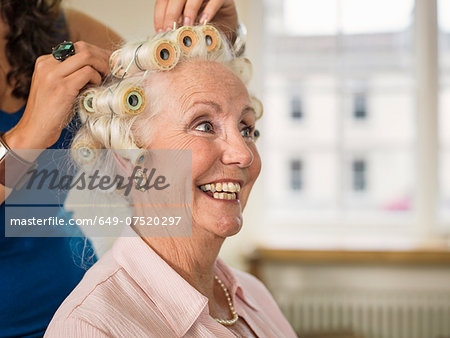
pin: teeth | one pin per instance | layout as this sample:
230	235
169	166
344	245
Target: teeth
224	196
229	189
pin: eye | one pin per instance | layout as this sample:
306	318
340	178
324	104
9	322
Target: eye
205	127
247	132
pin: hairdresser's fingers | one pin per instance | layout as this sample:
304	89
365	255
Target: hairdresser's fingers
191	11
210	10
173	12
159	14
82	77
85	54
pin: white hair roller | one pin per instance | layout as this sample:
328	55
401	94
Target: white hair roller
243	68
258	106
121	99
187	38
115	64
212	38
160	55
86	103
85	149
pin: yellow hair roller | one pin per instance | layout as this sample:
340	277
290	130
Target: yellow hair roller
133	101
212	38
187	38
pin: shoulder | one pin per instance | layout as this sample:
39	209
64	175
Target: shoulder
82	27
73	328
107	294
99	276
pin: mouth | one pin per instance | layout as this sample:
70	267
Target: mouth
222	190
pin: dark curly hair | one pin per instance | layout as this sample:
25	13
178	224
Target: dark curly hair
32	32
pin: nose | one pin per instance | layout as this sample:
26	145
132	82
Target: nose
236	151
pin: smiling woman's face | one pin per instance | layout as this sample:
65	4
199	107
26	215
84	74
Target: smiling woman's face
207	109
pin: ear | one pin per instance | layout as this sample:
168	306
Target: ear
123	163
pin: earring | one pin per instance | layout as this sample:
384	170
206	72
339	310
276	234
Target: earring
141	180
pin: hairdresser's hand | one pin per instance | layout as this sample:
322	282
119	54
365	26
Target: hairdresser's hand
54	88
222	13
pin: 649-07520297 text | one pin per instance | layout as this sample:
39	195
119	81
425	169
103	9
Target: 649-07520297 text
98	220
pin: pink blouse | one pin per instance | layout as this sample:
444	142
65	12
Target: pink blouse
133	292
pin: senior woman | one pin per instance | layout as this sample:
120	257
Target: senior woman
185	91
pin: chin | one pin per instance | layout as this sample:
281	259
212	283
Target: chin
225	226
228	226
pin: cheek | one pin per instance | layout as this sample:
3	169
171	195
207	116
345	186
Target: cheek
204	156
255	168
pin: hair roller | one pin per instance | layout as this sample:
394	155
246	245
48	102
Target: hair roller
131	100
85	149
187	38
165	54
123	99
115	64
86	103
212	38
258	106
243	68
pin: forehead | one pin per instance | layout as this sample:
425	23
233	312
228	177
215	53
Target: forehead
201	78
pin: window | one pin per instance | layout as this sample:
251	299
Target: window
296	175
359	177
296	108
359	106
350	67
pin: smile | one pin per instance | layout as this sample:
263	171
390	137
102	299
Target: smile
222	191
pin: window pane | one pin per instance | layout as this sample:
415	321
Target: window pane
355	75
444	108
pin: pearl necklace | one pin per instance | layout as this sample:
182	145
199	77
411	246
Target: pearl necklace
230	304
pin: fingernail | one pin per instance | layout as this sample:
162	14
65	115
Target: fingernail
187	21
204	19
160	30
168	29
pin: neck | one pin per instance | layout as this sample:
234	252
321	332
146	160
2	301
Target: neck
193	258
